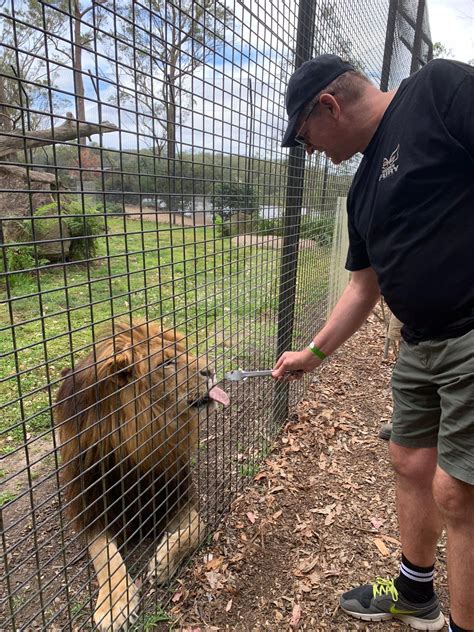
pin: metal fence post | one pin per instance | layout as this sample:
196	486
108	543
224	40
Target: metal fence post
292	219
416	53
388	51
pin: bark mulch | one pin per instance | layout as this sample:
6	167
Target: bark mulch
318	519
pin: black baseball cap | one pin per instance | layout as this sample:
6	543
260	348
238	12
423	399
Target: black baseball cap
310	78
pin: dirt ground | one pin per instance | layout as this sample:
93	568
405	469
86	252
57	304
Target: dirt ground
318	519
136	213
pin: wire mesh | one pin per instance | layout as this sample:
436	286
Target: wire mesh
153	236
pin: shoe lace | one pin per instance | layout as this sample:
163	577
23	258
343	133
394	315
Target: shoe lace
385	587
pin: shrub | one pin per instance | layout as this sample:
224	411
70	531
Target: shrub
234	197
84	224
271	227
114	208
20	258
239	224
319	230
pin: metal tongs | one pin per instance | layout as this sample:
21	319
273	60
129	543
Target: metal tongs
239	374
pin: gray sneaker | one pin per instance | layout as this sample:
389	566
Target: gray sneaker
382	601
385	431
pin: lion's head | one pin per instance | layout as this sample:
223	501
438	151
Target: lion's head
136	399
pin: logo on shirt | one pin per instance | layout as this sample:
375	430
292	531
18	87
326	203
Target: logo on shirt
389	165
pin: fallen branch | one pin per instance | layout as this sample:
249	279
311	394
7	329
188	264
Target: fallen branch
69	130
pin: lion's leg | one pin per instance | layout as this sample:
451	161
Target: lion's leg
117	602
176	545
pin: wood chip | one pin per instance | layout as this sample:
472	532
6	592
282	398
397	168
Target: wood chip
295	616
380	544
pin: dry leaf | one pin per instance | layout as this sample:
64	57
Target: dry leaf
214	563
229	605
214	580
274	490
325	510
329	519
307	565
377	523
177	596
380	544
295	616
250	516
277	514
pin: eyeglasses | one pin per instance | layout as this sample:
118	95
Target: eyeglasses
299	138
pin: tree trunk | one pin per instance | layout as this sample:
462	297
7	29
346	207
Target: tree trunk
6	124
77	64
171	146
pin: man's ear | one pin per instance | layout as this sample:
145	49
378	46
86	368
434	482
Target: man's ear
330	104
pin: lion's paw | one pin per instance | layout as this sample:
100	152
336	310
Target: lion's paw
123	613
165	561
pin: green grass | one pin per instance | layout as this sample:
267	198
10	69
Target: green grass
6	497
249	470
191	279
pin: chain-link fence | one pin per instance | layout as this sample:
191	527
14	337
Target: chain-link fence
153	236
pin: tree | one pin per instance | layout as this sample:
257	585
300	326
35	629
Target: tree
440	50
168	43
24	78
84	36
234	197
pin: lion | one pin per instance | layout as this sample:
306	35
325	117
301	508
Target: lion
128	420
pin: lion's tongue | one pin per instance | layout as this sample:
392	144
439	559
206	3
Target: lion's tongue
218	395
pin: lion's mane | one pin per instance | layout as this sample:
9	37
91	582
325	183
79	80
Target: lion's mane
126	429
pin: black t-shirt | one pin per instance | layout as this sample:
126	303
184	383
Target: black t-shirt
411	203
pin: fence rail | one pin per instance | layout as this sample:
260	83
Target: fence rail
153	236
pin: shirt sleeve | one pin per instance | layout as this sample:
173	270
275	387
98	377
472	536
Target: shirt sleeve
459	117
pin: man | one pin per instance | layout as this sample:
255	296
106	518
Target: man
411	237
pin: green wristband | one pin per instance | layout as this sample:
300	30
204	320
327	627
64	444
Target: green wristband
317	352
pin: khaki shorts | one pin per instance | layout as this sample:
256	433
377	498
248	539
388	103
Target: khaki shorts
433	401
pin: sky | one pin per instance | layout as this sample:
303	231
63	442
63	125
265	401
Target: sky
452	24
219	114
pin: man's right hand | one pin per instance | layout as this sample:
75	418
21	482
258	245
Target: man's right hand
296	362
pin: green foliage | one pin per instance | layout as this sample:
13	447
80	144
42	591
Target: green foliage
114	208
20	258
239	224
319	230
17	259
440	50
271	227
234	197
6	497
84	222
249	470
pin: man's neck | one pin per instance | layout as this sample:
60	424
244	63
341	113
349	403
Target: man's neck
374	107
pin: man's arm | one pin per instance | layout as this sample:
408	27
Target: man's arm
350	313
